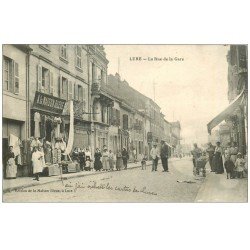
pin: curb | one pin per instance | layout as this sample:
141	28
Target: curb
81	174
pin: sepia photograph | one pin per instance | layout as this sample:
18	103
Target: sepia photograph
124	123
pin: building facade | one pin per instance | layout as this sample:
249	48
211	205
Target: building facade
235	115
42	80
15	104
59	72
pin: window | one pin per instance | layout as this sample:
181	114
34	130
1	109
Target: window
16	76
7	74
63	52
11	76
64	90
45	47
80	93
125	121
45	83
45	80
78	56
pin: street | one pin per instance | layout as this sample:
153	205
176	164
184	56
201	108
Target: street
132	185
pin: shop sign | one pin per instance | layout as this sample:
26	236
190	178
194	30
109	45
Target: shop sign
48	103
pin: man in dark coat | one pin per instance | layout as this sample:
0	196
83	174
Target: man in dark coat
125	158
210	151
164	156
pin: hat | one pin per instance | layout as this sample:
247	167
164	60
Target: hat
239	153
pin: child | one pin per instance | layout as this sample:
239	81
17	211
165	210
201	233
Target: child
88	160
229	166
143	162
239	165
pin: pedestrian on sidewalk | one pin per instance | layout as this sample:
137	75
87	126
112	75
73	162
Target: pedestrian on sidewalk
233	152
37	163
155	157
143	162
105	159
11	167
111	160
118	161
218	159
229	166
125	158
196	153
134	155
210	151
81	158
97	163
88	159
164	156
239	166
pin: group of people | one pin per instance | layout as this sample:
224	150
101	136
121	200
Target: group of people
104	160
233	160
156	155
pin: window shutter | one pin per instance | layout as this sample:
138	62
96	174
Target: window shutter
39	77
16	78
76	91
118	117
84	94
60	86
66	89
76	55
70	95
51	83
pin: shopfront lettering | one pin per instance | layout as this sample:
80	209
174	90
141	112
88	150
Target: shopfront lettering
48	103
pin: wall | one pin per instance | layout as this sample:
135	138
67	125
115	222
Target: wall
14	105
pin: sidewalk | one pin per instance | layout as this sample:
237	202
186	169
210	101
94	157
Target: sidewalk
24	182
217	188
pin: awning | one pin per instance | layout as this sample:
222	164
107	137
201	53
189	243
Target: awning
225	113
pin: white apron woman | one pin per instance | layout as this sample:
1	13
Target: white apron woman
11	167
105	160
37	162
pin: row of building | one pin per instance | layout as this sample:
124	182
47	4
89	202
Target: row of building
40	80
231	124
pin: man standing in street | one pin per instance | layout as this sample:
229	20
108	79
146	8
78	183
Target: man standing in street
196	153
164	156
210	151
125	158
155	156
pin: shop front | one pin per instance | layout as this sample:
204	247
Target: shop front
236	121
49	130
124	139
101	136
82	128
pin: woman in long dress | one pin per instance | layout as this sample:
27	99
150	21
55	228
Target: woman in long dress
233	152
81	158
218	159
111	160
105	158
37	163
98	163
11	167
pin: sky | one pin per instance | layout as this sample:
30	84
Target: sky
191	89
